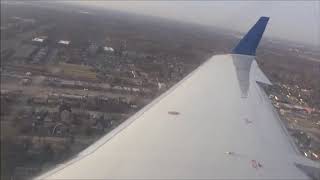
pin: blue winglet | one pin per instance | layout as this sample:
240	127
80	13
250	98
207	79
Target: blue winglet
248	44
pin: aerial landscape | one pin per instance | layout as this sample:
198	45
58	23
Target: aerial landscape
69	75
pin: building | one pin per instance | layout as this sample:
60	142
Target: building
108	49
64	42
40	39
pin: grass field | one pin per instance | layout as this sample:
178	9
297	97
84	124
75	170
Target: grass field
77	71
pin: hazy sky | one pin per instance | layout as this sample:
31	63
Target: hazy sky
292	20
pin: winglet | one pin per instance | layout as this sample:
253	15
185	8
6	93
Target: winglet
249	43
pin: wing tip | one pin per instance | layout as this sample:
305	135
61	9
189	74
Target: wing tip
249	43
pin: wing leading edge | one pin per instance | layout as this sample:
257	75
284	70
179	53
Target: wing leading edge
225	127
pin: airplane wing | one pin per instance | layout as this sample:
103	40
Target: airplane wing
216	123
